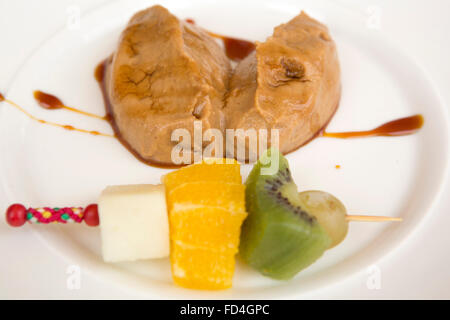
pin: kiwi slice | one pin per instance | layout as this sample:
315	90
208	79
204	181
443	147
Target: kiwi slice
280	237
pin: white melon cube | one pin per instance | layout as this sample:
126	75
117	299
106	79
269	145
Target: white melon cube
134	223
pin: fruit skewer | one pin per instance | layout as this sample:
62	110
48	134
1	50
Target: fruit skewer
206	204
17	215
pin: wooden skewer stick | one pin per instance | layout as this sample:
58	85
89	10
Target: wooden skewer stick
371	218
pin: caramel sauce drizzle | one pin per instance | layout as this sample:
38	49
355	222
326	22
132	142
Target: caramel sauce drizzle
99	72
54	124
235	49
51	102
399	127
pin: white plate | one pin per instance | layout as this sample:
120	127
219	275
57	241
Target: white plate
401	176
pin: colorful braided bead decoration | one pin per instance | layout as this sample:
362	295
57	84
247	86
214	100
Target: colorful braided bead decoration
55	215
17	215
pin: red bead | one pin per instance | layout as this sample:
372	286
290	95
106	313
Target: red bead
91	215
16	215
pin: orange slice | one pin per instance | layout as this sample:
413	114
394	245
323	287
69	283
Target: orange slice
229	196
206	204
215	228
222	170
198	268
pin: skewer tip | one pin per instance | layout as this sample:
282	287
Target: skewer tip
362	218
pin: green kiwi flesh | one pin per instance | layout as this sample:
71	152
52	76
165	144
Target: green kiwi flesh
280	237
